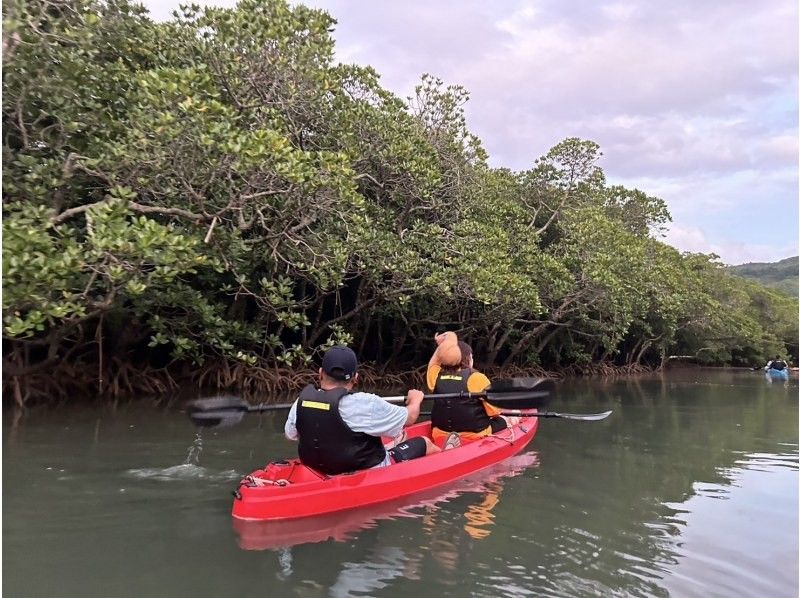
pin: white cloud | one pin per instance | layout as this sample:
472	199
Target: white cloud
696	102
695	240
619	12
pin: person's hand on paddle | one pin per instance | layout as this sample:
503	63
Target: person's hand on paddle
413	403
414	396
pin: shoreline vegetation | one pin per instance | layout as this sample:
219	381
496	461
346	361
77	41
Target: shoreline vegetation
257	383
213	201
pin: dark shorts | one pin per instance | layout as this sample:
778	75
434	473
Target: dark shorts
412	448
498	423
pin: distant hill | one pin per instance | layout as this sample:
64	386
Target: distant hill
780	275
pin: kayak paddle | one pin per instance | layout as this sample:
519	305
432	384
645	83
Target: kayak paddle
227	410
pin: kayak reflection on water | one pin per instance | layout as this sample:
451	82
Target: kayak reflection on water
480	516
773	377
342	526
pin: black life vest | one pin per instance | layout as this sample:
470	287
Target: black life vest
460	414
327	444
778	364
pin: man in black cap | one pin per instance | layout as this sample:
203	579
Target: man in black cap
340	430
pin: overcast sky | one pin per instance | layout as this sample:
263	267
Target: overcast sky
695	102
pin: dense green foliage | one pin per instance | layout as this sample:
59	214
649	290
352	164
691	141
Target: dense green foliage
215	192
781	275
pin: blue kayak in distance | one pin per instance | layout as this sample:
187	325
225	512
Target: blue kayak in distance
778	374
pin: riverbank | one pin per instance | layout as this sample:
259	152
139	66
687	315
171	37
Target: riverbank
125	381
258	381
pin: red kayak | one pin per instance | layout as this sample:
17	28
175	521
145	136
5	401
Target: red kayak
289	490
344	525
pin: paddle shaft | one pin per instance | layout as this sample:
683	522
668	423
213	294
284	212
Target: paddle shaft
519	393
402	398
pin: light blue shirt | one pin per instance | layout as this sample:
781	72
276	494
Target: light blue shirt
362	412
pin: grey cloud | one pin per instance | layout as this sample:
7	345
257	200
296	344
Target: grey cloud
686	96
404	40
542	71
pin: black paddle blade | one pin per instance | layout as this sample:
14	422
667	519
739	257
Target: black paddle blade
586	417
216	419
219	403
518	400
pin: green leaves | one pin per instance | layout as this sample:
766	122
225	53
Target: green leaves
215	187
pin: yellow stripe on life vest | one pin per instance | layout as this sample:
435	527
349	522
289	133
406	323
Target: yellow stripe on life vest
316	405
450	377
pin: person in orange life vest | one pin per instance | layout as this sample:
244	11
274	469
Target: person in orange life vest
451	370
340	431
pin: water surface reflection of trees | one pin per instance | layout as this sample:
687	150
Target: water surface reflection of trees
601	515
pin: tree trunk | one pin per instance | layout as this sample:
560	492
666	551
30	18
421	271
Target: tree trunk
631	357
491	357
398	340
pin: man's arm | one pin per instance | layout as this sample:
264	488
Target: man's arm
370	414
413	402
290	428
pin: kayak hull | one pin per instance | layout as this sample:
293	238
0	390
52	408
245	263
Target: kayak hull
344	525
289	490
778	374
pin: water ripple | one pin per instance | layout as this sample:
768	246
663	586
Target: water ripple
183	472
766	461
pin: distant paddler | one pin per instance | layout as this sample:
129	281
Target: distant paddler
776	364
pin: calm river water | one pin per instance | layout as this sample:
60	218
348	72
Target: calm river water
690	488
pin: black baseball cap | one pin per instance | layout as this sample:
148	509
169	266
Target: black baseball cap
340	363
